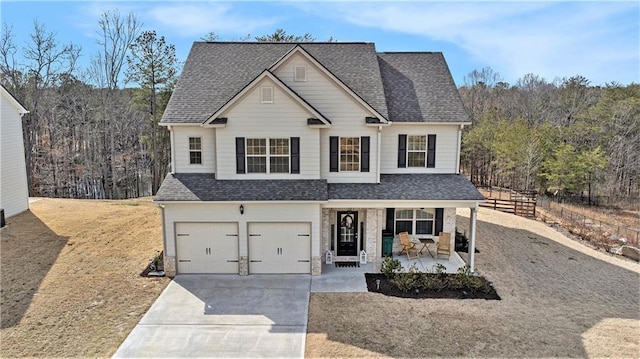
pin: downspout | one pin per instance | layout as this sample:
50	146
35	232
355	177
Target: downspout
378	154
458	149
173	150
164	231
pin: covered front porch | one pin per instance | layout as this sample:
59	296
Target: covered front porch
365	233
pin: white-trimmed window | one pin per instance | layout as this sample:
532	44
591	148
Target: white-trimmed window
266	94
195	150
415	221
299	73
349	154
416	151
279	155
273	158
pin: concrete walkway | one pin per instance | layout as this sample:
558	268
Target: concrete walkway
227	316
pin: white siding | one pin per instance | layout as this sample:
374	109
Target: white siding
347	116
284	118
229	212
14	196
446	147
181	136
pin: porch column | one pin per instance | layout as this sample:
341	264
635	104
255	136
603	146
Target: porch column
472	238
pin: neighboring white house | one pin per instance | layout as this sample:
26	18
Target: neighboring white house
282	152
14	194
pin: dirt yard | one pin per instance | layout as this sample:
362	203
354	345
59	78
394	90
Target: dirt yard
70	276
559	299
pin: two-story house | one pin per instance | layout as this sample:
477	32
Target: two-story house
282	152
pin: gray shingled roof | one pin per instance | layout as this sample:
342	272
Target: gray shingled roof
425	187
216	71
419	88
204	187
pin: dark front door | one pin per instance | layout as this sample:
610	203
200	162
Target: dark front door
347	234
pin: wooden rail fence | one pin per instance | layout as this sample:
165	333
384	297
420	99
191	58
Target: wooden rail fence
521	203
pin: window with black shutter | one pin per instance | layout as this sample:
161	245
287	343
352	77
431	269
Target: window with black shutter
364	157
240	168
431	151
333	153
295	154
402	151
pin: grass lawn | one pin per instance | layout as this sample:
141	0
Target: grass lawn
70	276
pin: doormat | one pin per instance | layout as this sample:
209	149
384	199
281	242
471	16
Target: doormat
347	264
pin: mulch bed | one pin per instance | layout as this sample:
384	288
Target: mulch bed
389	288
158	272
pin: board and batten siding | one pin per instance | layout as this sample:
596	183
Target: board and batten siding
284	118
14	193
446	147
347	116
229	212
180	145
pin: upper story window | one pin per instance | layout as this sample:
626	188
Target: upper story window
349	154
195	150
300	73
415	221
271	158
266	94
416	151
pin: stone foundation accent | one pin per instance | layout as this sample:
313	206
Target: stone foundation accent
316	265
449	220
326	230
170	266
373	230
449	224
243	265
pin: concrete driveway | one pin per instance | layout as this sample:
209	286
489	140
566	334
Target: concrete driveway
224	316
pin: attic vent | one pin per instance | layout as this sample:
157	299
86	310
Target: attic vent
300	73
266	94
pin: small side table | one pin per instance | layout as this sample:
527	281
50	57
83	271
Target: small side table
426	242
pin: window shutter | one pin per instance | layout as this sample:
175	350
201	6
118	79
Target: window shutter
240	155
402	151
295	154
391	213
333	153
364	154
439	220
431	151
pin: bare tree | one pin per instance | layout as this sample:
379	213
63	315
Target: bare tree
116	33
47	63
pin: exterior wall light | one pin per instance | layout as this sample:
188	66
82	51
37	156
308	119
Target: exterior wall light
241	209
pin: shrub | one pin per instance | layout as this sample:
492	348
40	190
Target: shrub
390	267
411	280
439	269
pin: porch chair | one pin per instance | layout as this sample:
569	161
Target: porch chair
444	244
407	246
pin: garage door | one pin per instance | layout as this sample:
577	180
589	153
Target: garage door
207	247
279	248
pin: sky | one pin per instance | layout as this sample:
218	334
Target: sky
554	40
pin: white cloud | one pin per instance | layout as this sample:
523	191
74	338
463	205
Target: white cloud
596	40
198	19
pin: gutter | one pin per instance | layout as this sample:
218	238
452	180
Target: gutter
173	149
378	154
458	148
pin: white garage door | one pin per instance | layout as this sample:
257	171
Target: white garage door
207	247
279	248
